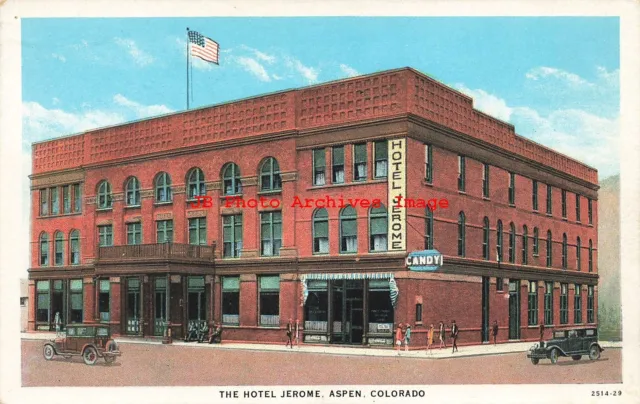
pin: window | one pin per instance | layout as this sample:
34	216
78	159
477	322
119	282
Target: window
418	312
270	233
564	304
536	242
578	255
577	304
486	232
231	180
316	312
104	195
163	187
195	183
548	303
348	230
133	192
512	243
485	180
77	198
428	231
549	249
231	236
525	245
164	231
577	208
380	154
134	233
23	301
461	234
535	195
360	162
198	231
590	210
42	307
590	298
564	204
74	247
590	256
499	285
105	235
196	300
270	301
44	249
319	165
499	241
512	189
44	202
428	163
461	173
58	249
55	201
132	305
549	201
231	300
564	251
104	299
321	231
337	164
66	199
270	175
532	310
378	229
75	294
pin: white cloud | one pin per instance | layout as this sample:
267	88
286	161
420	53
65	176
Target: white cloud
310	74
487	103
140	57
262	56
552	72
254	67
59	57
348	70
141	111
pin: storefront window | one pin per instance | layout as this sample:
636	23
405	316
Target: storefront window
160	305
380	307
270	301
42	309
103	299
316	307
133	305
231	300
75	313
196	299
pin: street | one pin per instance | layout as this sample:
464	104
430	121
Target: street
201	365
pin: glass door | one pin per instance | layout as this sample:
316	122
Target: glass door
514	309
485	309
160	306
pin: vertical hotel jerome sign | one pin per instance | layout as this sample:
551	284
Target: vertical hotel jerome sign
397	183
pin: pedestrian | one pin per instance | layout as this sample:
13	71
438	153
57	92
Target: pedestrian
429	338
407	337
58	322
454	336
494	331
541	332
399	337
297	333
442	330
289	333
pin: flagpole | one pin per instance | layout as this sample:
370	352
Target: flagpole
188	63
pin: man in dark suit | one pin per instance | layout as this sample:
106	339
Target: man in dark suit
454	335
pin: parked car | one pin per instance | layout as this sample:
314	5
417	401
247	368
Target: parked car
91	341
574	342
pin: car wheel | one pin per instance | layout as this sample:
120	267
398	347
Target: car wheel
535	361
576	357
48	352
594	352
554	356
109	359
90	355
111	346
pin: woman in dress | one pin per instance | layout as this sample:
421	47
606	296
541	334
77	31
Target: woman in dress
407	337
399	337
442	335
430	338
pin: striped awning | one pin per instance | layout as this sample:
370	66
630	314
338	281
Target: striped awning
393	287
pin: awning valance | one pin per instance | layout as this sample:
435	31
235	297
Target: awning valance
393	287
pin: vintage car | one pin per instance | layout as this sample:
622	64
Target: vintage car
573	342
92	341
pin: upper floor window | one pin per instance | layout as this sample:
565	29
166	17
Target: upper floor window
486	232
133	192
512	243
337	164
198	231
270	233
231	184
564	204
461	234
578	254
77	198
549	200
231	236
319	167
380	155
270	175
549	249
195	183
564	250
44	249
66	199
348	230
590	210
44	202
525	245
74	247
163	187
428	231
536	241
164	231
360	162
55	201
461	173
512	189
104	195
105	235
590	256
378	229
577	208
134	233
485	180
58	248
535	195
320	231
428	162
499	241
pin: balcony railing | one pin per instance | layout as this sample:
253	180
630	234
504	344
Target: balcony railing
166	251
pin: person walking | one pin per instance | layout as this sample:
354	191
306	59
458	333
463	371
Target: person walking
429	338
494	331
541	332
407	337
454	336
442	331
289	333
399	337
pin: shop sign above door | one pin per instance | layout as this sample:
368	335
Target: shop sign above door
425	260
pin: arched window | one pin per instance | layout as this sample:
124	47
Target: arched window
74	247
590	256
499	240
104	195
461	234
486	232
564	250
428	231
133	192
578	255
525	245
195	183
44	249
58	248
512	242
378	229
270	175
320	231
231	179
549	249
163	187
536	241
348	230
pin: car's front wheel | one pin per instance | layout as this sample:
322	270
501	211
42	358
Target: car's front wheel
48	352
554	356
594	352
535	361
90	355
576	357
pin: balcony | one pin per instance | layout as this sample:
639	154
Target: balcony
156	252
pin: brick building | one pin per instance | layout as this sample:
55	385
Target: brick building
116	239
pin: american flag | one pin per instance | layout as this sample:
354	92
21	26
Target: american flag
203	47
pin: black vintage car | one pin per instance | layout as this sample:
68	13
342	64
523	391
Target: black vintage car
573	342
90	341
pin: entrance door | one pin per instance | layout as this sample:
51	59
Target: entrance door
485	309
514	309
348	313
133	302
356	321
160	306
57	304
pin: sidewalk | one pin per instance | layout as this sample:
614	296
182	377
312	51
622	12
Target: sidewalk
464	351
